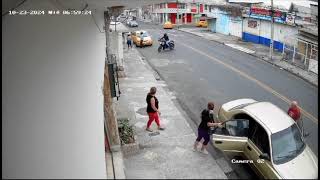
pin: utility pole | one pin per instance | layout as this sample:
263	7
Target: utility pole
272	30
177	1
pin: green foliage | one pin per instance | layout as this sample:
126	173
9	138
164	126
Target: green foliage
126	131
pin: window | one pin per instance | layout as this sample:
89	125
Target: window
182	6
259	137
238	127
235	127
286	144
144	34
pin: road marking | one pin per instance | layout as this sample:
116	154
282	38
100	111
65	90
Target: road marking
264	86
235	46
172	34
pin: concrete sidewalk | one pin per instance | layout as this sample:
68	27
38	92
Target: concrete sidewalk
256	50
168	154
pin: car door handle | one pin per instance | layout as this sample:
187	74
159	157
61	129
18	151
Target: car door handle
218	142
249	148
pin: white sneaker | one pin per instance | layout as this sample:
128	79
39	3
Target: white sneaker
194	149
204	151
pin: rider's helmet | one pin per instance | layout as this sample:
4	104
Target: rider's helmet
165	34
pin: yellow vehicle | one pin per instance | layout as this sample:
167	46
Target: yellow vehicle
136	38
267	138
202	23
167	25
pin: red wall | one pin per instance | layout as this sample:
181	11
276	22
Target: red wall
173	17
201	7
172	5
189	18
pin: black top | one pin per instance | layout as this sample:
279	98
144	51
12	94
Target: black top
148	99
166	37
205	118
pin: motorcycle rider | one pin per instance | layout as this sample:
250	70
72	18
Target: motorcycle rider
166	38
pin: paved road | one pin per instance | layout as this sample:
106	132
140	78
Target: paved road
199	70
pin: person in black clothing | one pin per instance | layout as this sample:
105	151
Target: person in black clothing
141	39
153	109
129	41
207	121
166	38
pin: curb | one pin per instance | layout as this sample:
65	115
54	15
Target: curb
257	56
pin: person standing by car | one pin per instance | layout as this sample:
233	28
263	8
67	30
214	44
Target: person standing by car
207	121
153	109
295	114
141	39
129	41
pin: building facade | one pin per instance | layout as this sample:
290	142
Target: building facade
222	21
257	26
181	12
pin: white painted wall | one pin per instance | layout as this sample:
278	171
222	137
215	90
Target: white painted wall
235	27
281	31
265	29
254	31
52	101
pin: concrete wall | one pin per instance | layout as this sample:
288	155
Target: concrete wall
261	33
222	22
235	27
52	101
251	30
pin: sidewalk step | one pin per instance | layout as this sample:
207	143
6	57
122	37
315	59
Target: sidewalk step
246	50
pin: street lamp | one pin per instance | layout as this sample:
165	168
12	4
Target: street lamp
272	29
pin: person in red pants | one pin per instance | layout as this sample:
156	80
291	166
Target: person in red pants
153	109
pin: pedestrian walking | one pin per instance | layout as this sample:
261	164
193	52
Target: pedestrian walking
207	121
153	109
295	114
129	41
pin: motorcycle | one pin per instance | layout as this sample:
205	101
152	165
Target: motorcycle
164	46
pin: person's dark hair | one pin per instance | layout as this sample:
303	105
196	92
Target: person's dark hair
152	91
210	105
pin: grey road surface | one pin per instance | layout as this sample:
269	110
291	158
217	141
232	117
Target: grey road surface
198	70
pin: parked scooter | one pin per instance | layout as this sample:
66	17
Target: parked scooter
164	46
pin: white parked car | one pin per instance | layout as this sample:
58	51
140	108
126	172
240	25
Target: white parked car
267	138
